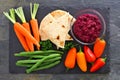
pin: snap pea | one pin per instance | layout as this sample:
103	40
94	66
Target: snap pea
47	66
39	62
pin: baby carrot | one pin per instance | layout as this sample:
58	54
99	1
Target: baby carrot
20	13
70	58
29	43
99	47
34	22
20	37
20	28
81	61
25	33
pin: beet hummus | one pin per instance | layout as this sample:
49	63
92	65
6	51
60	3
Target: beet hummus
87	27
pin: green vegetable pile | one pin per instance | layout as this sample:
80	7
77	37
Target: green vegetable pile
39	60
46	58
48	45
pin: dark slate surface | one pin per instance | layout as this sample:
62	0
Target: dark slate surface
114	41
15	46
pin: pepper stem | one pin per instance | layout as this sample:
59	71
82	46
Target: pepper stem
102	37
80	49
104	59
67	69
74	45
92	63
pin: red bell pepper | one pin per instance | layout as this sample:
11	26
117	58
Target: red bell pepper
90	57
99	63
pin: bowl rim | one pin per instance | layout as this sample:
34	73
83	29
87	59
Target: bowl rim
102	22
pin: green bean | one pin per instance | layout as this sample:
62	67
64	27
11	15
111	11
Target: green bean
53	59
37	56
30	55
47	66
34	61
27	54
35	66
51	51
24	65
28	64
40	61
41	52
47	63
27	61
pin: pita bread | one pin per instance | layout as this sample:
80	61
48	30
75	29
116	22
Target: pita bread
46	20
55	27
52	17
59	13
58	31
57	38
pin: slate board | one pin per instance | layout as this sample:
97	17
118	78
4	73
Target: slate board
15	46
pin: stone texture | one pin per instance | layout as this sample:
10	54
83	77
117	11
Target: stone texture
114	5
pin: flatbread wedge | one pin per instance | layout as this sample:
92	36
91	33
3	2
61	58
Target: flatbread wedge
52	17
46	20
55	27
57	31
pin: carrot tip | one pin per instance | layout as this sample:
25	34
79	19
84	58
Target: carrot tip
38	48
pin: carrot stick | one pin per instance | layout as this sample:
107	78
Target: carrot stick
20	13
34	22
20	37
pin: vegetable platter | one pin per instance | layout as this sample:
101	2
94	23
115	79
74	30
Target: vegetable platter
46	55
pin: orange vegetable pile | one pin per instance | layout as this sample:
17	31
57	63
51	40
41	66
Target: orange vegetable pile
87	56
23	31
